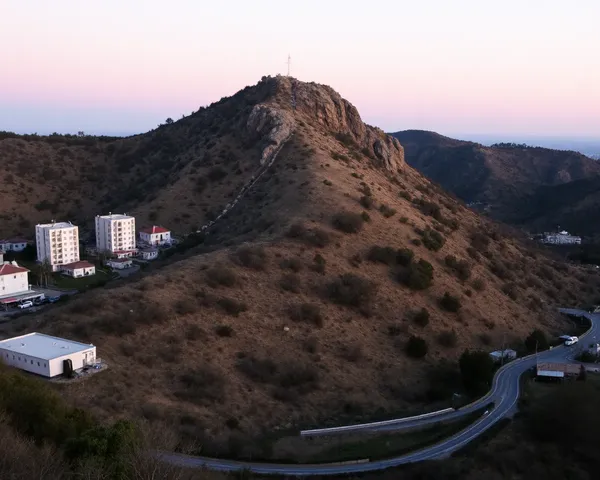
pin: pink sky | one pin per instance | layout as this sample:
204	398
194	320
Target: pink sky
454	67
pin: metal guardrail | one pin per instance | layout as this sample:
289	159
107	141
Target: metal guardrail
366	426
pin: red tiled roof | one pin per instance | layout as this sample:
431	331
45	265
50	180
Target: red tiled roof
154	229
75	265
9	269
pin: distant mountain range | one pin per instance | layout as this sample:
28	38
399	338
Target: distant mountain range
534	187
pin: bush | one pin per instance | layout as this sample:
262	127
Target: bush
479	284
416	347
294	264
231	306
297	230
352	290
387	211
329	183
447	338
404	194
433	240
536	341
348	222
220	276
253	257
224	331
367	201
307	313
430	209
460	267
200	384
216	173
386	255
480	242
365	216
404	256
417	276
287	375
500	270
511	290
477	371
185	306
450	303
317	237
319	263
421	318
290	282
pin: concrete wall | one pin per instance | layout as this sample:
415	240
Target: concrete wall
78	359
14	283
25	362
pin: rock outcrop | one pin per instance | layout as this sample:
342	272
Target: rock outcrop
273	125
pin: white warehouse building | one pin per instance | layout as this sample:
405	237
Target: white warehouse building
45	355
57	244
115	233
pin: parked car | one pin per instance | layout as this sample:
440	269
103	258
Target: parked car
27	304
53	299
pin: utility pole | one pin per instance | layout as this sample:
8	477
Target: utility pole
503	350
289	64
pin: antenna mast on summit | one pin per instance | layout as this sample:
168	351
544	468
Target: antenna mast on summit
289	64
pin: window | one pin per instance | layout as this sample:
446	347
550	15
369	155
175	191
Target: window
38	364
32	362
44	364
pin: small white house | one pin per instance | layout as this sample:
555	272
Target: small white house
506	354
155	236
119	263
149	254
13	244
78	269
125	253
13	279
45	355
561	238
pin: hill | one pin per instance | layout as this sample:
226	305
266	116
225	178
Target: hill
501	176
338	284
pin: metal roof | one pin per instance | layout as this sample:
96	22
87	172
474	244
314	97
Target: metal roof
44	347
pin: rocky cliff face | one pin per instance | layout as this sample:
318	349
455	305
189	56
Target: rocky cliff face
323	108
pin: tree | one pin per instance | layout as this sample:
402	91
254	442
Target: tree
536	341
29	253
43	272
582	374
416	347
477	371
169	121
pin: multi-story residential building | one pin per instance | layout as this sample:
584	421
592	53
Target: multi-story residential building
155	235
115	233
57	244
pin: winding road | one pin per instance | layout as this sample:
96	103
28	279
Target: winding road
504	394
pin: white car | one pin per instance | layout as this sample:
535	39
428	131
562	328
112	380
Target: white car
27	304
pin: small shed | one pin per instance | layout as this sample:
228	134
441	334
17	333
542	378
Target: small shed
119	263
507	355
78	269
149	254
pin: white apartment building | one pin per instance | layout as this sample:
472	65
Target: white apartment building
561	238
13	279
57	244
115	233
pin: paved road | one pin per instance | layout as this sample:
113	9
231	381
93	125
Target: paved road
504	394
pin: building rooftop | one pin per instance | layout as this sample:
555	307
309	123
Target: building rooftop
56	226
154	229
42	346
564	368
116	216
8	268
14	240
80	264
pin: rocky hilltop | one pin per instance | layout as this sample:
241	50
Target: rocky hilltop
334	282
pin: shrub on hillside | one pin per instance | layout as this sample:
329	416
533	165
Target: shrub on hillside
290	282
294	264
365	216
224	331
433	240
387	211
231	306
201	384
450	303
220	276
511	290
216	174
352	290
447	338
461	268
421	318
536	341
348	222
429	208
404	194
251	256
416	347
296	230
480	242
386	255
319	263
367	202
307	313
417	276
404	256
479	284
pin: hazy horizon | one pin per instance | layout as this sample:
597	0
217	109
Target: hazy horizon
514	68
